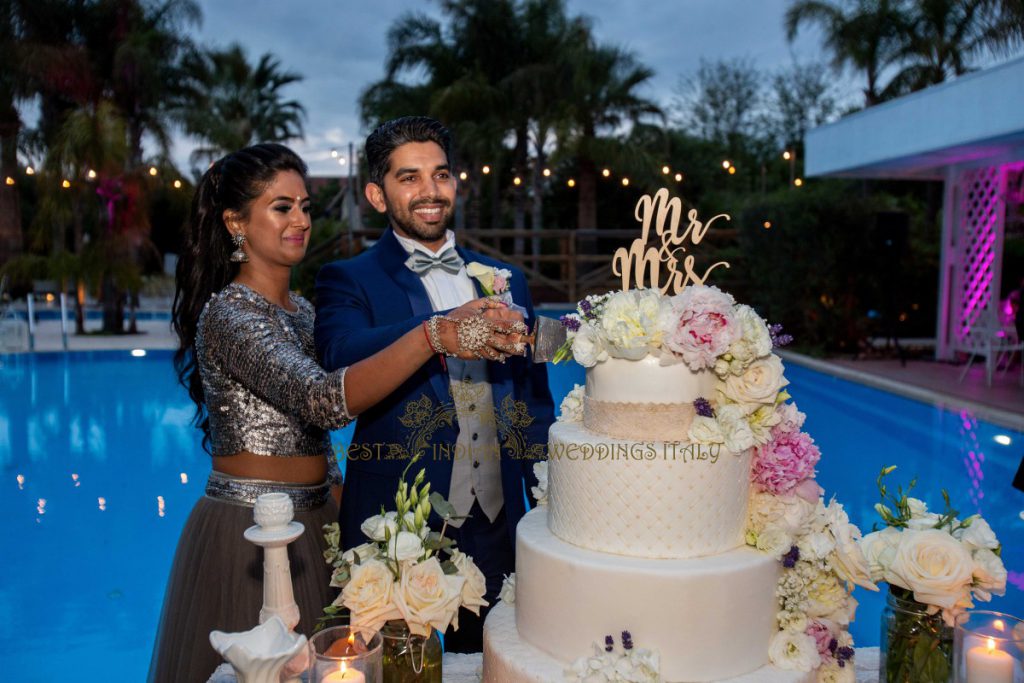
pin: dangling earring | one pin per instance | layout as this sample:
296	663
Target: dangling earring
238	256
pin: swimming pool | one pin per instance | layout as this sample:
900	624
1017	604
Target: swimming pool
99	468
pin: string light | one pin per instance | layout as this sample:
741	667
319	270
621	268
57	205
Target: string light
571	182
29	170
91	174
625	182
177	184
517	181
767	225
152	170
341	161
486	169
798	182
787	155
463	176
666	170
732	170
726	164
9	180
606	172
334	153
679	177
546	172
66	184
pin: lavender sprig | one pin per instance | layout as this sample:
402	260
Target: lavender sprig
703	407
627	641
570	322
609	643
778	337
790	559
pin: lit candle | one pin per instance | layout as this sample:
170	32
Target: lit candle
987	664
346	675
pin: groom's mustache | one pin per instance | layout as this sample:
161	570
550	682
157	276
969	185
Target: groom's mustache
416	203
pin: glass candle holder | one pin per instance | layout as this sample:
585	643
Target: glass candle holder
341	655
988	647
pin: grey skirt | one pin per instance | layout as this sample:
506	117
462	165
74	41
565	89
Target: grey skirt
216	583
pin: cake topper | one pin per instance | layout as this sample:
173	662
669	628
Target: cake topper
640	263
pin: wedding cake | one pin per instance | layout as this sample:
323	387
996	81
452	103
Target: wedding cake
678	510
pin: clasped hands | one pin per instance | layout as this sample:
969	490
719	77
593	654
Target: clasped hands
481	329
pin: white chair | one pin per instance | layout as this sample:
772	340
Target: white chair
993	341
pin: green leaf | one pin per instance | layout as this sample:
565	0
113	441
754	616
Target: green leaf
442	507
449	568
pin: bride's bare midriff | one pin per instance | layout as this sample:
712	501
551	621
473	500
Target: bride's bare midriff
311	469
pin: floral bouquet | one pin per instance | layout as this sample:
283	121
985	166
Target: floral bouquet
606	665
402	573
936	565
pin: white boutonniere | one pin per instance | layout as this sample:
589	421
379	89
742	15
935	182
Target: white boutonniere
493	281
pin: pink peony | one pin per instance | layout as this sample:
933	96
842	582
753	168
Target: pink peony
790	419
784	462
823	638
700	326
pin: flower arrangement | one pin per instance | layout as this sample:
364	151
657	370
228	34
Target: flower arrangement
607	665
933	561
401	573
493	281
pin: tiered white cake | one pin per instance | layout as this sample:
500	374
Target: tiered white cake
643	532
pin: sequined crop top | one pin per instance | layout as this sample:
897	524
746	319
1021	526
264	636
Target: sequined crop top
265	392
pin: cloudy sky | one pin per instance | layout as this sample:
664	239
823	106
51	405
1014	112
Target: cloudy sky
339	47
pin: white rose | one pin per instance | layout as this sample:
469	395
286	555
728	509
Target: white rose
925	520
817	545
978	534
405	545
879	550
705	430
736	433
774	541
427	598
475	586
508	589
540	491
794	651
934	565
761	422
368	596
571	409
588	348
989	574
759	385
375	526
366	551
918	508
848	561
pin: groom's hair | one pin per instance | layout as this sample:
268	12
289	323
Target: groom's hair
391	135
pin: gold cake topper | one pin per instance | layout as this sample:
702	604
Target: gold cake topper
638	262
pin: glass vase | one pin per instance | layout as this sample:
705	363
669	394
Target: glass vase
916	647
409	658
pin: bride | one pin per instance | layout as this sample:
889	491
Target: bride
264	405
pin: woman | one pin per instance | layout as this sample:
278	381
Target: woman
264	405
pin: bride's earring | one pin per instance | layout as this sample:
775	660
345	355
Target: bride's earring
238	256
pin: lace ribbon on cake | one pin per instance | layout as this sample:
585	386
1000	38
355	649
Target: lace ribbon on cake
639	421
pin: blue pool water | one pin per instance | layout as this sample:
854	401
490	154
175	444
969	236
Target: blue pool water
99	468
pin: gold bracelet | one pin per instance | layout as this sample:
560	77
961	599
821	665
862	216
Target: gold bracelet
435	335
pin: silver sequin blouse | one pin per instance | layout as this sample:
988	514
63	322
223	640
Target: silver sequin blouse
264	390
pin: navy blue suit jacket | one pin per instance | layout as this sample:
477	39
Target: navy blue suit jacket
366	303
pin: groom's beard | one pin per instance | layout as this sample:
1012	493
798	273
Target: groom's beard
405	218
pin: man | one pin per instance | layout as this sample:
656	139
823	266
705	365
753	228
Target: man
477	458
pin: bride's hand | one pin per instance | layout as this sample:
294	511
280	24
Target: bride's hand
490	330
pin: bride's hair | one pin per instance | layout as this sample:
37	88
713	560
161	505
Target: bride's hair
204	266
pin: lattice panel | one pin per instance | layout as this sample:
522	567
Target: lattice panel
982	207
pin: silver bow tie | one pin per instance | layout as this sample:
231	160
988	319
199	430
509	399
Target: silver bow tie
420	262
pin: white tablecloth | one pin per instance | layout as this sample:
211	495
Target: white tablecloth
466	668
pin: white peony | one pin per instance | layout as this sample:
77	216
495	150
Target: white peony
758	386
978	534
378	526
879	549
792	513
540	491
426	598
368	596
588	347
630	323
736	433
847	561
774	541
475	586
989	574
794	651
571	409
755	342
705	430
508	589
817	545
405	545
934	565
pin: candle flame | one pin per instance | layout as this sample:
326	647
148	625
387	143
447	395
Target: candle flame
999	625
351	639
343	668
991	644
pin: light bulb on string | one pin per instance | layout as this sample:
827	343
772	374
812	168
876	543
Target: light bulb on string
799	182
463	176
732	170
177	184
625	182
787	155
606	172
666	170
546	172
29	170
726	164
334	153
571	182
486	169
679	177
517	181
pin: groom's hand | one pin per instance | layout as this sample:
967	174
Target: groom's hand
504	330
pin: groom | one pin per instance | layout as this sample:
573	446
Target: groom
369	301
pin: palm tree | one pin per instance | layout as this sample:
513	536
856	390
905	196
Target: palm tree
229	103
861	34
946	37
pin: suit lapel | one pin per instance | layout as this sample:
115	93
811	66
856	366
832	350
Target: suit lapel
392	259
